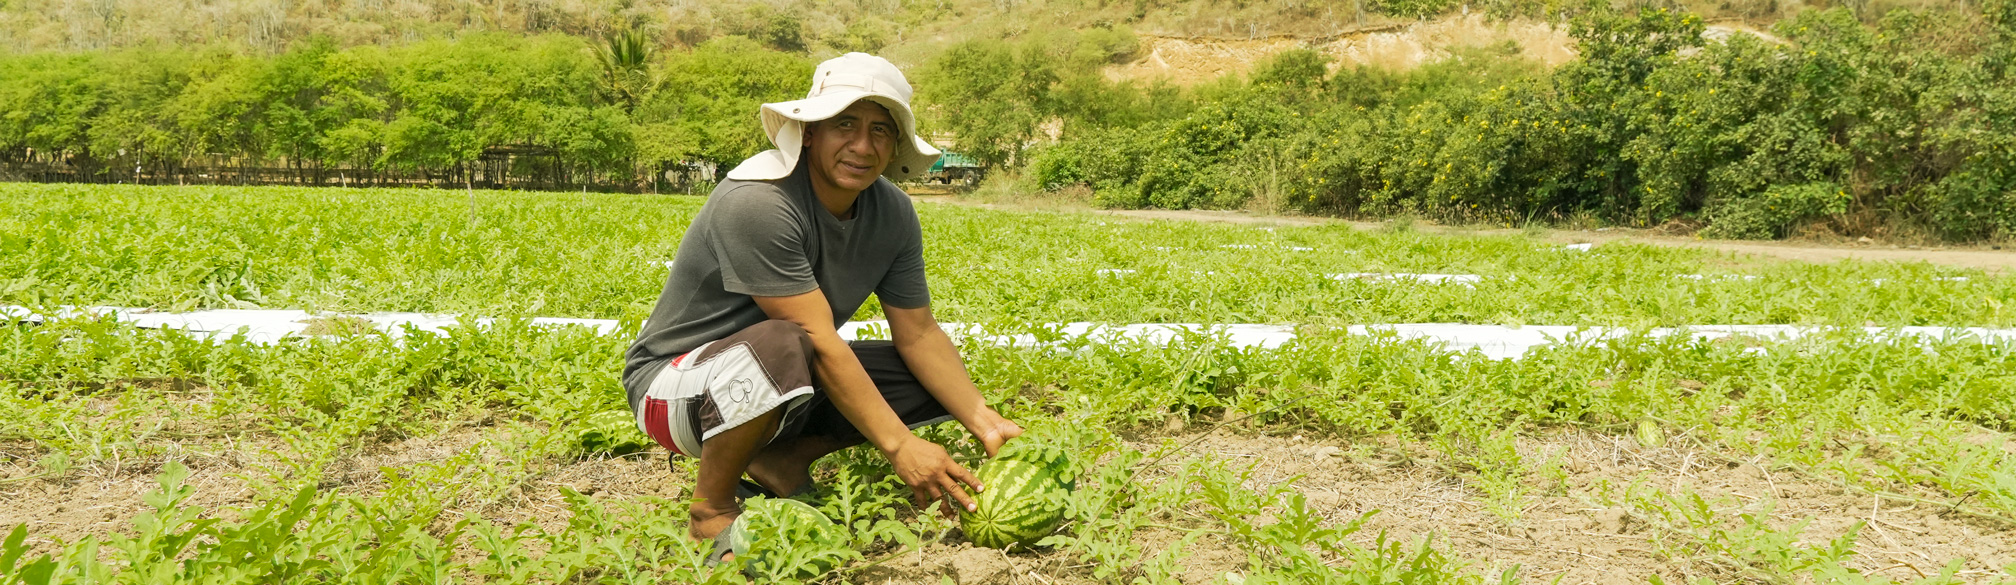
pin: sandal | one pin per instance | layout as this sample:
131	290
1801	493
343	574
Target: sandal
722	544
745	489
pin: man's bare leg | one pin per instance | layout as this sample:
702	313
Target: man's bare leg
722	461
785	467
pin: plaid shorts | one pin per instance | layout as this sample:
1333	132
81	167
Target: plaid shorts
728	382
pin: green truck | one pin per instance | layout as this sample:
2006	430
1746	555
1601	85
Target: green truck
954	167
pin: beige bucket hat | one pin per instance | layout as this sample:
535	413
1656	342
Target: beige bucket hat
836	84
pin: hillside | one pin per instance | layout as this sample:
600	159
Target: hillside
909	31
1190	60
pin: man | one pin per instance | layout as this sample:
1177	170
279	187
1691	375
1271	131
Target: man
741	364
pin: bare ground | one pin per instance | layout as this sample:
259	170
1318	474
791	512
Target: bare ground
1577	525
1186	60
1571	532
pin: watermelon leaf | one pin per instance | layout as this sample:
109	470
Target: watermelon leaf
611	432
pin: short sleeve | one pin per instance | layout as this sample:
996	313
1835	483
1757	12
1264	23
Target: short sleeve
903	286
759	242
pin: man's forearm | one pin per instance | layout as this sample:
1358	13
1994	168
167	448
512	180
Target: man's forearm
936	363
854	393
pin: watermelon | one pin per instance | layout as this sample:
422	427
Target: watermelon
786	539
1021	505
1649	433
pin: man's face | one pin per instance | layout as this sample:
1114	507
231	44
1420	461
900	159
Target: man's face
848	151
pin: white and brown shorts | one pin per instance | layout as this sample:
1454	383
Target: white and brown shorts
730	381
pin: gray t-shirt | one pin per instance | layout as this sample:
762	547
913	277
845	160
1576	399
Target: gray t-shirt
774	239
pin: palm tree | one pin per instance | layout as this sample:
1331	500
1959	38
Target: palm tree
626	57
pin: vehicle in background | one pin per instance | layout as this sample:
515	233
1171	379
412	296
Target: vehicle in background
954	167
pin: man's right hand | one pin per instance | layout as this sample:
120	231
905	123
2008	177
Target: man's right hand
932	474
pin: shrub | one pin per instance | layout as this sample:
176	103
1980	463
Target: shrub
1769	214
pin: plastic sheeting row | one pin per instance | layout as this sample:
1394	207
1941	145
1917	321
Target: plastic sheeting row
1491	341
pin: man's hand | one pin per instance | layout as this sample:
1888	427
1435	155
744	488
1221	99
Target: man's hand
933	475
993	430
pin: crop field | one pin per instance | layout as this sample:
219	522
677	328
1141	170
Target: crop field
136	455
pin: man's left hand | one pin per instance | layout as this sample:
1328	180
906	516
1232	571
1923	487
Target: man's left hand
994	430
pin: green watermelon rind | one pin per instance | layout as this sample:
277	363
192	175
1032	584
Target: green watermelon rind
769	514
1015	509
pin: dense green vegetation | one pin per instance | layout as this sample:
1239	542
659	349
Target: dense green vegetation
613	111
433	106
303	424
1900	127
603	255
80	393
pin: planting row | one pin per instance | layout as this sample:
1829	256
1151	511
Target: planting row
604	256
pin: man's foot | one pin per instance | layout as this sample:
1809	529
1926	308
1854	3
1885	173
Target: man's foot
705	522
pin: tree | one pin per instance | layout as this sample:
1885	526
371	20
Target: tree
706	109
991	95
626	57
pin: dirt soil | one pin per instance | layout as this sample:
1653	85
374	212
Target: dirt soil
1191	60
1568	532
1573	533
1573	526
1992	259
102	499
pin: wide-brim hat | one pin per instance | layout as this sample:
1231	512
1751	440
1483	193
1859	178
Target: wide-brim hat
837	84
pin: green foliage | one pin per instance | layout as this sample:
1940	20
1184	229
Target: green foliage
314	536
1197	160
777	29
1934	420
789	541
997	97
613	106
1770	214
1297	69
356	251
991	93
1651	123
626	58
611	432
1412	8
706	110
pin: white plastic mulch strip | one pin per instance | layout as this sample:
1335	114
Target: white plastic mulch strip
1462	279
1471	280
269	325
1390	277
1491	341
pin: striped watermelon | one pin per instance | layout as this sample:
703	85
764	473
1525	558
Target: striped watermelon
782	538
1019	507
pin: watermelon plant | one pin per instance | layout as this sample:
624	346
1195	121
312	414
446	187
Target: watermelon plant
507	414
611	432
603	256
785	540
